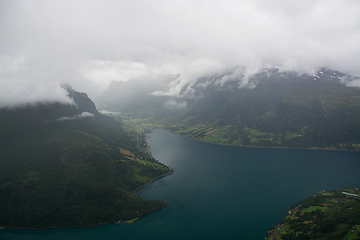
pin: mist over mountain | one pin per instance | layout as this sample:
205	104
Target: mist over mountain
268	108
88	44
129	91
247	73
172	86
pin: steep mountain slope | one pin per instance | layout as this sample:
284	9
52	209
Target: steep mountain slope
69	165
271	108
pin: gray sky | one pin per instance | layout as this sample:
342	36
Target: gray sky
87	43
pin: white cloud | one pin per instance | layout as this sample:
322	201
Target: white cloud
350	81
104	72
354	83
16	89
173	104
89	43
79	116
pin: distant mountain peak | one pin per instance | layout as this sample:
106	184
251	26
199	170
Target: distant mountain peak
174	86
67	87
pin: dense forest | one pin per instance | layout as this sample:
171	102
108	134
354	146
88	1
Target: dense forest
68	165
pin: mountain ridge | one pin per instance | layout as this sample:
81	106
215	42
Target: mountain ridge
60	167
284	109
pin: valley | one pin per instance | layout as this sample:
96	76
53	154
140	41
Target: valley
283	110
181	120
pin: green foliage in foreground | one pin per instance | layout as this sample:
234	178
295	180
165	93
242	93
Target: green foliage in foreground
326	215
57	173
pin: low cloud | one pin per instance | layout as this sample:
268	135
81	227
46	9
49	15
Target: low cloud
79	116
174	104
350	81
241	75
103	72
91	43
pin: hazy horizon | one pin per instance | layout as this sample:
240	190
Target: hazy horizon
88	44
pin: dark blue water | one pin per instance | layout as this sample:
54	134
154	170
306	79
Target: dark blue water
221	192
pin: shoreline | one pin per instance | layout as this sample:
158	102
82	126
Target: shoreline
171	171
98	224
251	146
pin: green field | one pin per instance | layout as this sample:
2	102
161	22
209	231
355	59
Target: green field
313	208
329	202
353	233
309	219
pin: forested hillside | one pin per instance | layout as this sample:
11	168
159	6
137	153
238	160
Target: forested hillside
278	109
68	165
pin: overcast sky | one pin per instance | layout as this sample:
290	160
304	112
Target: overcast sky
88	44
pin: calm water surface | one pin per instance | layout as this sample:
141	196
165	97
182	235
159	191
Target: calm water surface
221	192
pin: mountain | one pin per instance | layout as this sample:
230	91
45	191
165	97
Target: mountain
123	93
268	108
67	165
